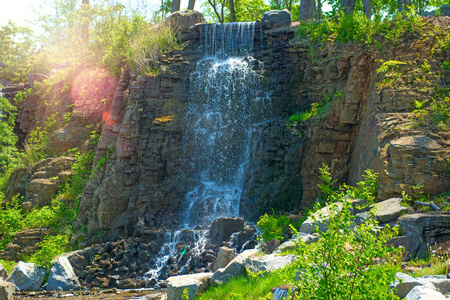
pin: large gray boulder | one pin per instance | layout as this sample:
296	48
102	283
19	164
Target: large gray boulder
27	276
6	290
424	292
268	263
62	277
404	284
321	216
389	210
3	273
276	18
196	283
235	268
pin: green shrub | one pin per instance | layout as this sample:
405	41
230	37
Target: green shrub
272	227
51	247
10	219
341	264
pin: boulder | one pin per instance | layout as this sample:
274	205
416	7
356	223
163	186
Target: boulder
321	216
6	290
404	284
222	229
421	230
445	10
27	276
3	272
270	246
235	268
62	277
181	21
196	283
224	256
424	292
276	18
268	263
35	77
389	210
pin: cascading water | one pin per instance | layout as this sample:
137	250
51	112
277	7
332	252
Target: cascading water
225	106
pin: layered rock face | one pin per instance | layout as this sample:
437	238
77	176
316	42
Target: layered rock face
368	125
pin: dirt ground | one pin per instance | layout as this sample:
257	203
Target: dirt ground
112	294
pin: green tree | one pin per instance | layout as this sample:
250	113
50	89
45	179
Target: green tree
16	51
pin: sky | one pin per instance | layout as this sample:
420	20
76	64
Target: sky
21	11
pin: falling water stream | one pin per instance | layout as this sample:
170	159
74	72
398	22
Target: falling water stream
222	117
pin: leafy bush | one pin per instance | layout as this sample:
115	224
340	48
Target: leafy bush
341	264
272	227
51	247
10	219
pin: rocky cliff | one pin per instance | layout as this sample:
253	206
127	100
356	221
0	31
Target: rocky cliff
370	123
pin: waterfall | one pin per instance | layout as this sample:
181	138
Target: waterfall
225	105
222	117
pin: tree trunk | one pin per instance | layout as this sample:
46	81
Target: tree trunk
306	10
319	10
175	5
403	4
85	21
367	8
348	6
191	4
232	12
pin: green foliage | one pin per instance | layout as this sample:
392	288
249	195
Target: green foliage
435	111
356	28
51	247
446	65
272	227
16	51
326	188
340	264
391	71
10	156
318	109
185	295
10	219
8	264
249	288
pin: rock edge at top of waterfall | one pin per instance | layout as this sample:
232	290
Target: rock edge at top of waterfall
276	18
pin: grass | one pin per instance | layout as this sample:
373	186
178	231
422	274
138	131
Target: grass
248	287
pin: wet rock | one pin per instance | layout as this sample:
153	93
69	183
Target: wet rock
235	268
27	276
130	283
6	290
269	247
196	283
222	229
224	256
62	277
276	18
